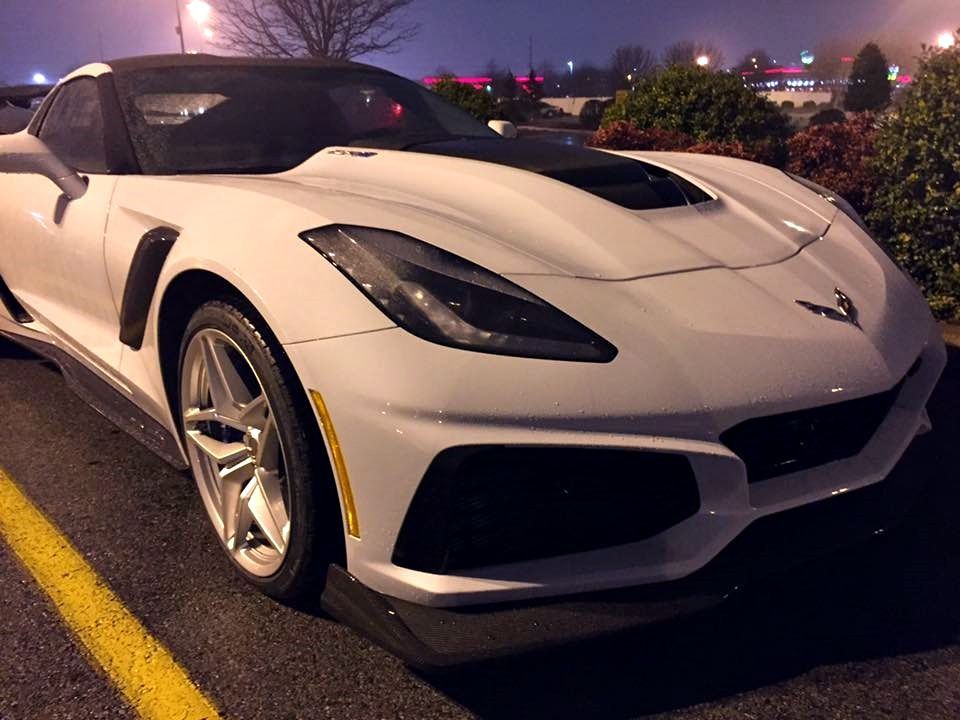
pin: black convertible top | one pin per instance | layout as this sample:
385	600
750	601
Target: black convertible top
157	62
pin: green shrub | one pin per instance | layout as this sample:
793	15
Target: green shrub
916	208
837	156
735	149
708	106
829	116
476	102
623	135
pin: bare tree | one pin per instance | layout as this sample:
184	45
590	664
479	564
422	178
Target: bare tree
551	77
756	61
632	59
828	59
508	85
629	63
687	52
589	81
491	69
340	29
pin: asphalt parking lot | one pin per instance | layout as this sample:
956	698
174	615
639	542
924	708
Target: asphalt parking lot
871	632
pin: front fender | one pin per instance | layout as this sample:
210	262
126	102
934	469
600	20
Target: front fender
247	241
251	242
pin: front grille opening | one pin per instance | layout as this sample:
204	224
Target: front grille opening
494	505
788	443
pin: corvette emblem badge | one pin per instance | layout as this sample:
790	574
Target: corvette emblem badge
845	311
352	153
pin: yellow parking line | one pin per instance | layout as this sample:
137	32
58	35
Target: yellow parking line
142	669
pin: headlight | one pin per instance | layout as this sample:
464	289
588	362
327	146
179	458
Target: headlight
835	199
445	299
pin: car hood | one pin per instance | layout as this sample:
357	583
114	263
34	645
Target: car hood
525	207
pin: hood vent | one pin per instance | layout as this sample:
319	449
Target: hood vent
632	184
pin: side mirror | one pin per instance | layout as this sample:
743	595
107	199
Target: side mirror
25	154
503	127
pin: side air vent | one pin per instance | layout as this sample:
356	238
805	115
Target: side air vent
12	305
145	267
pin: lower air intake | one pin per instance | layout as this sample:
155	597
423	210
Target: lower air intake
493	505
791	442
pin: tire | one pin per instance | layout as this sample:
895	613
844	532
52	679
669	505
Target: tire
256	452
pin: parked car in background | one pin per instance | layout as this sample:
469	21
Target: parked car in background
549	111
17	105
592	112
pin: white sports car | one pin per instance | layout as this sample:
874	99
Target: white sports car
483	394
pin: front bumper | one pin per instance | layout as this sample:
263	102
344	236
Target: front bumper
401	402
437	638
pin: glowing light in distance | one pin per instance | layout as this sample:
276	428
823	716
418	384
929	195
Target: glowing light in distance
946	40
703	60
39	78
199	10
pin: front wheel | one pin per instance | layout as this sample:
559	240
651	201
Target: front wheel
255	453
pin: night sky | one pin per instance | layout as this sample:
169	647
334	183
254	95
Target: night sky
53	36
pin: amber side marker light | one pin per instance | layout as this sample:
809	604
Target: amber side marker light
339	466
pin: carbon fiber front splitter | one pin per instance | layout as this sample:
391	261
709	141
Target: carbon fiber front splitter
437	638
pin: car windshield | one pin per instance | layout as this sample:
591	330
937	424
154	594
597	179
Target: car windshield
270	119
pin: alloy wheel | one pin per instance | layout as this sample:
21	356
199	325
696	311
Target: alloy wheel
235	452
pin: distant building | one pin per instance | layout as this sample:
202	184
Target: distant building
800	78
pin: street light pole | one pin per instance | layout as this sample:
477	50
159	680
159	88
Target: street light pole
183	46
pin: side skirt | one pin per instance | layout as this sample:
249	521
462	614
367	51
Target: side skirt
107	401
17	311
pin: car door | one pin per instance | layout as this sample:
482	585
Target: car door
53	249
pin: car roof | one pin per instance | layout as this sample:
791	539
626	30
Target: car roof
156	62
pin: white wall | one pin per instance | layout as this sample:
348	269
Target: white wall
570	105
798	97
